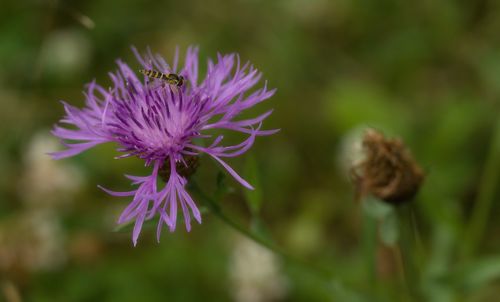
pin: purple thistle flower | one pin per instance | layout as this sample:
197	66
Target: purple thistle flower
158	122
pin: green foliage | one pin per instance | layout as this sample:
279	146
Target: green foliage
425	71
477	274
251	173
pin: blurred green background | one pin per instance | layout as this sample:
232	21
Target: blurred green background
426	71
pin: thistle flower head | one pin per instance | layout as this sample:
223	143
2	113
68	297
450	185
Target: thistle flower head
158	122
388	170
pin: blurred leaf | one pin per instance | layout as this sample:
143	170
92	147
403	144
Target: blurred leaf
258	227
203	209
438	264
352	103
478	273
221	187
253	197
454	124
488	66
341	293
220	180
389	229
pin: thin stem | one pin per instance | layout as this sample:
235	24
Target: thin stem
217	211
419	245
407	246
325	275
396	250
370	249
484	199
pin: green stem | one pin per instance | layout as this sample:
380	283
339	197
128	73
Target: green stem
325	275
484	199
370	249
408	244
217	211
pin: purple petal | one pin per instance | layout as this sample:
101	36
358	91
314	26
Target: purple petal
138	227
233	173
116	193
156	121
74	149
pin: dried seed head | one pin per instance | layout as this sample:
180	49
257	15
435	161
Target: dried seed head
388	170
184	168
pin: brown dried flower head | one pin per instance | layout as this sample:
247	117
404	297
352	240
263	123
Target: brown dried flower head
388	170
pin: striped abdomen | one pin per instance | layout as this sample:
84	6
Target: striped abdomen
171	78
154	74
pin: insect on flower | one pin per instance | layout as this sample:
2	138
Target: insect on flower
164	126
171	78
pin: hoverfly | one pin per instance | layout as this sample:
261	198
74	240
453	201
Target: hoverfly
171	78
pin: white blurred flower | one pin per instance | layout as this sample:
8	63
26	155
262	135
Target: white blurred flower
44	181
66	52
351	150
255	273
32	241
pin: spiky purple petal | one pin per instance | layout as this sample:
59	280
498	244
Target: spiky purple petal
157	122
